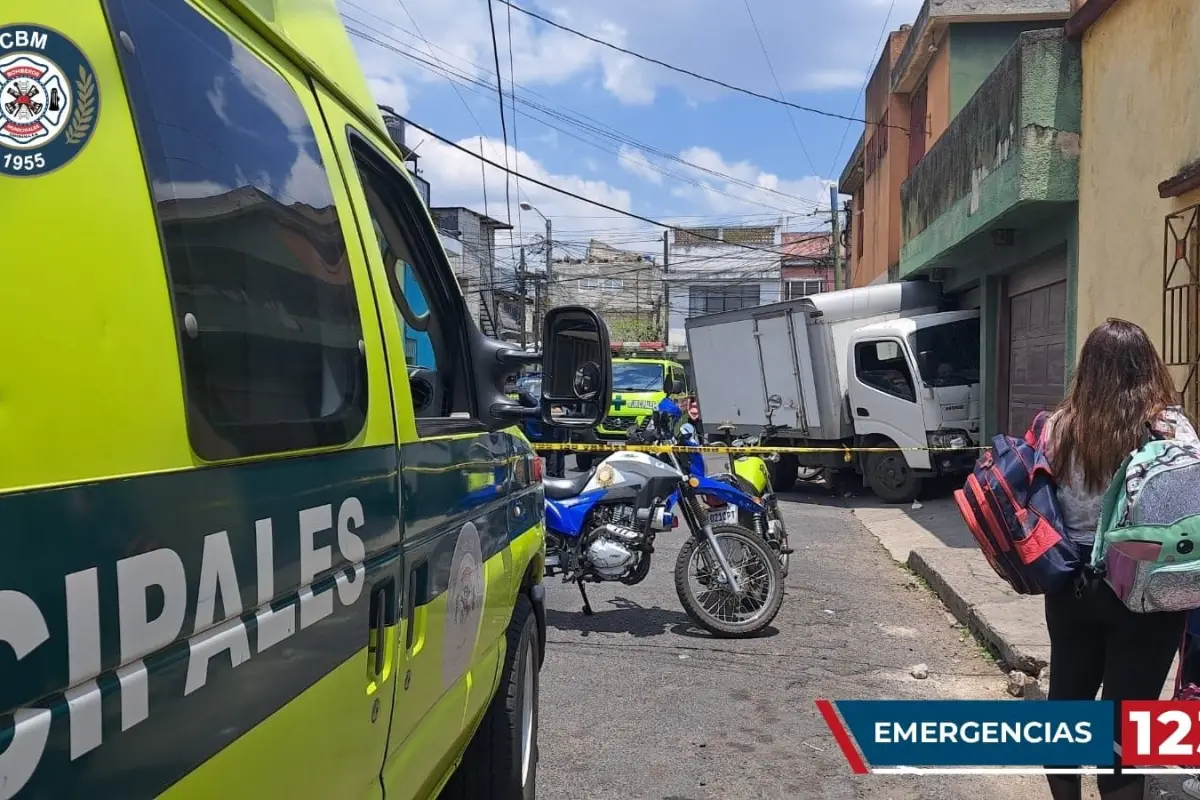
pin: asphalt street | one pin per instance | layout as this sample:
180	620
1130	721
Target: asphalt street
636	703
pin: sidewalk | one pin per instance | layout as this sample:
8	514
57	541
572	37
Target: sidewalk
934	543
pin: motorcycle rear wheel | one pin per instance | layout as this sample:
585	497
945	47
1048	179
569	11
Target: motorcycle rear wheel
762	577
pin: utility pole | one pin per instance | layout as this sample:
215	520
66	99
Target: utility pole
836	244
666	289
524	292
537	312
549	258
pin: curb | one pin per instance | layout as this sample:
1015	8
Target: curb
1014	625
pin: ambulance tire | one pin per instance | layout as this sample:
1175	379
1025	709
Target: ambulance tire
494	764
583	461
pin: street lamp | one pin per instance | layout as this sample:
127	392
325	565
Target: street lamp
549	254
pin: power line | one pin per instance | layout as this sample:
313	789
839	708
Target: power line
577	119
739	274
688	72
590	201
448	72
779	87
500	95
512	82
453	86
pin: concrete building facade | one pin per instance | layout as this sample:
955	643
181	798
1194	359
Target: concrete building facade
807	266
470	241
624	286
720	269
990	213
925	76
1139	177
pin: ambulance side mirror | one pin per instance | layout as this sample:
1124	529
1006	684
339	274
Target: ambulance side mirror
576	368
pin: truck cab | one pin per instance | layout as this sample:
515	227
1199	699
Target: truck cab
914	381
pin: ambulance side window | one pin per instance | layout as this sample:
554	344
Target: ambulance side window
424	296
265	312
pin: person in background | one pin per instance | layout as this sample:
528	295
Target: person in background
693	414
1120	385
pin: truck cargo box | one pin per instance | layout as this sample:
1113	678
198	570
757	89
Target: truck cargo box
790	349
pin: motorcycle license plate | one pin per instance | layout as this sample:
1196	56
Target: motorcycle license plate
723	516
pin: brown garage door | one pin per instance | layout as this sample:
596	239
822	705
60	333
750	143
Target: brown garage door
1037	345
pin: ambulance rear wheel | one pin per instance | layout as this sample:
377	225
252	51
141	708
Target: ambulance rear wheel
501	760
583	461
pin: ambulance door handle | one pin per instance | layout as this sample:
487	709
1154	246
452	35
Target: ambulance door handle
382	616
418	580
379	628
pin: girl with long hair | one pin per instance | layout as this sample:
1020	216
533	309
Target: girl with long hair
1120	385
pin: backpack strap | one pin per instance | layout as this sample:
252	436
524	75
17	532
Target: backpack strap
1037	431
1148	435
1112	507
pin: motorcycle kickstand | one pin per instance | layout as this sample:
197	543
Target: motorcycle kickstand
587	607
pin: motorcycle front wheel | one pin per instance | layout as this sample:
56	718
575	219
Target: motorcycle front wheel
706	595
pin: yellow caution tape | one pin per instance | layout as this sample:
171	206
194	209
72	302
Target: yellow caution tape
741	451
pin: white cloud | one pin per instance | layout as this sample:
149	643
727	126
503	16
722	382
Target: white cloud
800	196
634	161
813	45
455	179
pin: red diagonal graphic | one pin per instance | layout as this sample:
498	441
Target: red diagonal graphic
842	737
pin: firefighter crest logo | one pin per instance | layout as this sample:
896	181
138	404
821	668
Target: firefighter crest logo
49	100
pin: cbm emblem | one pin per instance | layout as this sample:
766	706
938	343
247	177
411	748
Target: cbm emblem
49	100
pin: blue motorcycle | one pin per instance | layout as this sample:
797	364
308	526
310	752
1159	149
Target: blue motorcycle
601	527
758	509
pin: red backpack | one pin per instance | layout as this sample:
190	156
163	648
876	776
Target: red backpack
1010	504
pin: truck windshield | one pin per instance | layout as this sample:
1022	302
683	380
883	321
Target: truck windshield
637	377
948	355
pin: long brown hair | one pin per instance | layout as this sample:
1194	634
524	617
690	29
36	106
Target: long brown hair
1119	384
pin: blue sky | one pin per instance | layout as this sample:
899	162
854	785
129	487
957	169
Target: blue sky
821	52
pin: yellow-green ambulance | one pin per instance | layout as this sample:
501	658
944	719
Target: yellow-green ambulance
245	549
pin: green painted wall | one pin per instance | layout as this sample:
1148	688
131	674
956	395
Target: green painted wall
1072	296
989	349
975	50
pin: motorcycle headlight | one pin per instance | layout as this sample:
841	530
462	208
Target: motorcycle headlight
949	438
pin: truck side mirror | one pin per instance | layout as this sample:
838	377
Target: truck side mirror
576	368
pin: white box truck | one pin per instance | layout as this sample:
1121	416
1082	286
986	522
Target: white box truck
878	366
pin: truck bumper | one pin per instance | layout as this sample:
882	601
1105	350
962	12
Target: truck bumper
954	462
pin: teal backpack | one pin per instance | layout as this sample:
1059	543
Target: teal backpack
1148	540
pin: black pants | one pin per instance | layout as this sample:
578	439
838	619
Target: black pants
1094	640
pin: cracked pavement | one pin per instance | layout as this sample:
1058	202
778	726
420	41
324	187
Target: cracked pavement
636	703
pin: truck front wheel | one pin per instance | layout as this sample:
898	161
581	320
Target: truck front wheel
891	479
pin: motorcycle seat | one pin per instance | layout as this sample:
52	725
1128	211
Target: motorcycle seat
563	488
